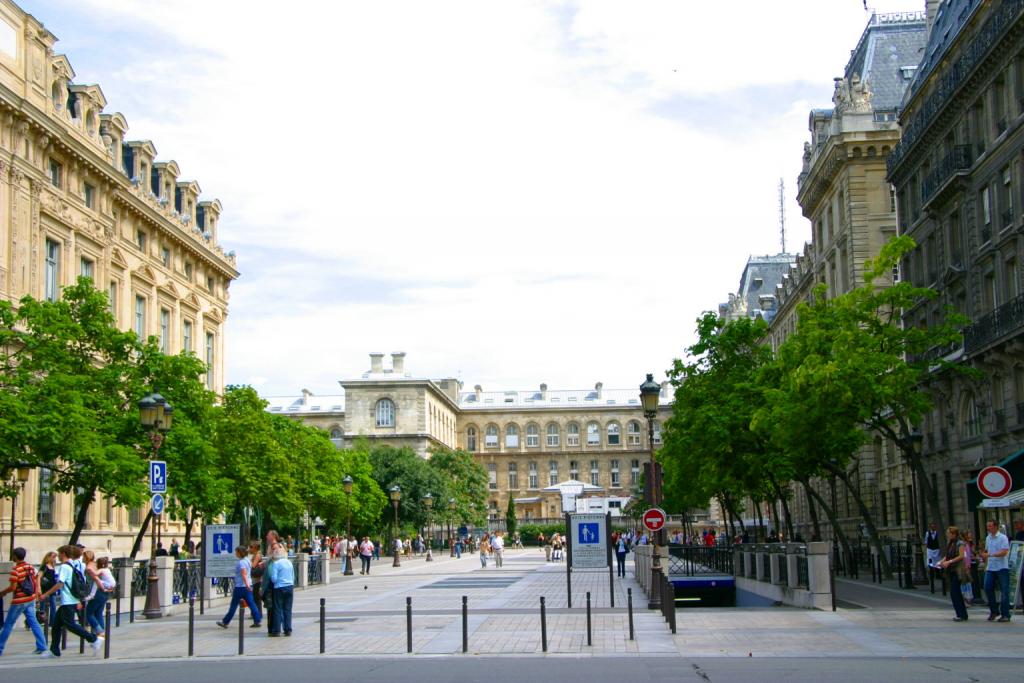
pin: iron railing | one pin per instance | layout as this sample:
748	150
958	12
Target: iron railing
697	560
802	574
1003	320
957	160
315	570
223	586
187	580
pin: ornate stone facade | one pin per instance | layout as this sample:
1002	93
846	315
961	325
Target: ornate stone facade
78	198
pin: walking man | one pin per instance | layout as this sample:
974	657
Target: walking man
997	568
24	587
68	602
498	546
621	548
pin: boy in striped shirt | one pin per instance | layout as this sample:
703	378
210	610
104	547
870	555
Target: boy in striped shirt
24	601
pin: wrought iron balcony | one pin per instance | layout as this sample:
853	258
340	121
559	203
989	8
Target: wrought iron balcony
948	83
956	162
1004	320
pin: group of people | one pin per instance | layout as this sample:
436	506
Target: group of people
267	580
492	545
961	560
69	588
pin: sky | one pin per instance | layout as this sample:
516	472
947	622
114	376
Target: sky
510	192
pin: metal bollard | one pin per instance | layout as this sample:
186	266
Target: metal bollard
590	640
202	594
323	626
931	579
465	624
908	577
629	609
543	626
241	628
408	624
106	633
191	625
131	599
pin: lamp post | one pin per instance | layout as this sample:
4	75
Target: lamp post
155	414
650	391
428	502
396	495
346	483
451	541
22	473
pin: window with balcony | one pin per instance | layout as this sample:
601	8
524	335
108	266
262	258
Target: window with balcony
1006	198
471	439
385	413
1011	279
970	416
532	436
492	476
552	436
512	436
614	436
572	435
593	434
491	437
633	433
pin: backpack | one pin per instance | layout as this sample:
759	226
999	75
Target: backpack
80	585
28	584
46	579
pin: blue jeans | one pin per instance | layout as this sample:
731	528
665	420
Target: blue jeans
1003	576
15	611
956	595
94	611
282	615
458	550
237	595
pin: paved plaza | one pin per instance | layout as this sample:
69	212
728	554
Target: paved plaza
366	617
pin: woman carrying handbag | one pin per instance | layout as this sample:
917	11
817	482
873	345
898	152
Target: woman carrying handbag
956	571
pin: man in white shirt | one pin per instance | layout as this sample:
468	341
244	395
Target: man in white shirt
997	568
498	546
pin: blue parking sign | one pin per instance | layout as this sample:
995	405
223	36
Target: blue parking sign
158	504
589	532
157	476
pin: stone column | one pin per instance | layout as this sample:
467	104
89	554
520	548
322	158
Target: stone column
165	576
759	565
302	571
818	578
774	559
792	571
325	568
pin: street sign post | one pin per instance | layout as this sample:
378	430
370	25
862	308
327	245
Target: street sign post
157	476
219	543
157	503
994	482
589	540
654	519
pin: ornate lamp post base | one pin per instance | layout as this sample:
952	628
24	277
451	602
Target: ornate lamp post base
152	610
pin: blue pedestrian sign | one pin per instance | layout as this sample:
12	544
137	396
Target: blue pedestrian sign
157	476
158	504
589	532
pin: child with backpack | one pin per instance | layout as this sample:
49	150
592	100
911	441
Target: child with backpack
24	588
72	588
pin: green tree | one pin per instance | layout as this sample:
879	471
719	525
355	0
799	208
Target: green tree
511	522
465	480
402	467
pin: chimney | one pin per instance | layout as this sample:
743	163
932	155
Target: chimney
376	363
598	387
479	391
543	392
398	362
306	393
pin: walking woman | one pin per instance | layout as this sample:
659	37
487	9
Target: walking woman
48	577
956	571
103	586
485	548
258	568
366	550
243	590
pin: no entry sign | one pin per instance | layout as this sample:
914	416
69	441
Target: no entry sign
654	519
994	482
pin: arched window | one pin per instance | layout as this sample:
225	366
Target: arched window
633	433
491	437
385	413
532	436
593	434
614	436
471	439
572	435
512	436
970	416
552	435
336	434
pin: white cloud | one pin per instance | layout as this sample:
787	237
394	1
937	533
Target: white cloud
520	192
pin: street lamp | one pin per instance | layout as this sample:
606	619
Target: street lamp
650	392
428	502
396	495
451	508
155	414
22	473
346	483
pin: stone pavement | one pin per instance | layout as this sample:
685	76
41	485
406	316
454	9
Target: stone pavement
366	616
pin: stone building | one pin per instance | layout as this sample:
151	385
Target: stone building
526	440
958	176
81	198
756	296
844	193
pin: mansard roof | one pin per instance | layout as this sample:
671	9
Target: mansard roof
887	55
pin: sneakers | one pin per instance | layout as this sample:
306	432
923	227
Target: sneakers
222	624
97	645
991	617
1003	619
39	652
45	654
253	625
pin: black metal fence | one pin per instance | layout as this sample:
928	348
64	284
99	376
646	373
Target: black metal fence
315	570
186	580
696	560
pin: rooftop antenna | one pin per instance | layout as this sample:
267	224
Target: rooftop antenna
782	213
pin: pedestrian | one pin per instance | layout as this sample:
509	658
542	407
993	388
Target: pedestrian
997	568
621	548
175	549
458	547
932	547
498	548
282	575
377	545
1018	530
971	563
485	547
103	585
954	562
243	590
47	610
70	587
366	551
161	551
517	542
556	547
24	589
258	569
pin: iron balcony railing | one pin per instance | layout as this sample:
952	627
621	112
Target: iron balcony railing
957	160
946	86
1004	320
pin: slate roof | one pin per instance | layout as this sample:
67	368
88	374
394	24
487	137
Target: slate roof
950	19
887	55
588	398
310	405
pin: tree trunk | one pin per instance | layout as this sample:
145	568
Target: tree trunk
83	512
142	534
813	511
830	513
190	520
760	520
865	513
931	496
781	493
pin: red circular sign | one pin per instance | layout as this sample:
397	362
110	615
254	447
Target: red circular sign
994	482
654	519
